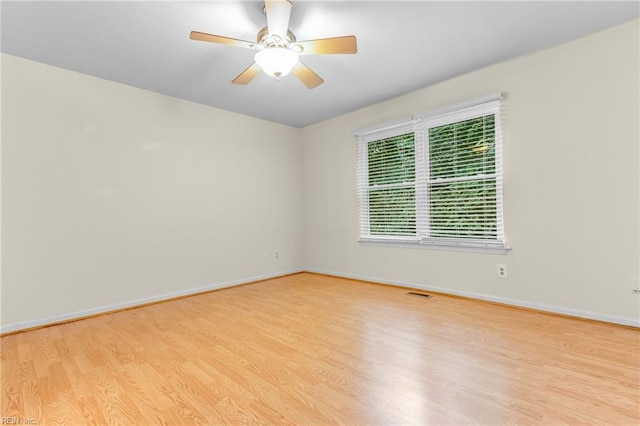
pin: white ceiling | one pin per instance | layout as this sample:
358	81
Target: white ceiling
402	46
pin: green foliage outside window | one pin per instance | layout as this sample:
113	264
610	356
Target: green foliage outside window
462	157
392	171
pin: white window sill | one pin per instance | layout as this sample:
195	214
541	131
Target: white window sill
444	246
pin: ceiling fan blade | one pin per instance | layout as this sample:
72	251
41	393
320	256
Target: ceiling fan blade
247	75
212	38
278	14
326	46
306	76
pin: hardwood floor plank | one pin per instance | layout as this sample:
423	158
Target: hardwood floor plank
12	378
312	349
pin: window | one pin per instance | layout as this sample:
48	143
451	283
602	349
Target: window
391	185
435	179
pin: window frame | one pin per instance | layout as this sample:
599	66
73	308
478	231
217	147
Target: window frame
420	125
404	186
367	136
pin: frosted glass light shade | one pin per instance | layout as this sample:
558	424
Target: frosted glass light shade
276	61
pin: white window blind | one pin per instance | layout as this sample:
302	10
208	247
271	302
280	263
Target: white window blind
387	182
436	180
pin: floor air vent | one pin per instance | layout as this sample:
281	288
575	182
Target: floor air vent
426	296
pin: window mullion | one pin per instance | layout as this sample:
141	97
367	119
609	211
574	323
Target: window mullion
392	186
422	173
462	178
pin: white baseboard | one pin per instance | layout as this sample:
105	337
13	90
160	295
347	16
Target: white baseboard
537	306
9	328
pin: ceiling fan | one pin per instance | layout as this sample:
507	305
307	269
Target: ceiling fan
277	47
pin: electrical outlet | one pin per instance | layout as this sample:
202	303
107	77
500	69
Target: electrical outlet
501	270
635	290
277	256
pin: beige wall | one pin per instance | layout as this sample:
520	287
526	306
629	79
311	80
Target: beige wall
113	194
571	184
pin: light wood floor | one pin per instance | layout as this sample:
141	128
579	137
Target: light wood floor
309	349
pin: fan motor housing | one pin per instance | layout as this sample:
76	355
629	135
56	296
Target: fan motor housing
267	40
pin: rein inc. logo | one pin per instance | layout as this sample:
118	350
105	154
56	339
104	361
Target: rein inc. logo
15	420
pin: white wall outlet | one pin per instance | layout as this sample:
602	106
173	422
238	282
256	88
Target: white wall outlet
635	290
501	270
277	256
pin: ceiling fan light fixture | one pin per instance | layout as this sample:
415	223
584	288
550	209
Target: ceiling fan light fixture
276	61
278	49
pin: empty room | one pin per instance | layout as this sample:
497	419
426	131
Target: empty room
320	212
